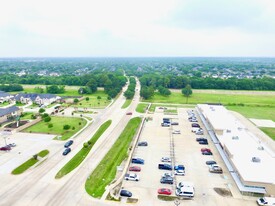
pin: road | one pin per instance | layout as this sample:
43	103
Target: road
39	187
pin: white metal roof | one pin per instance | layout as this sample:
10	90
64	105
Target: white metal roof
242	145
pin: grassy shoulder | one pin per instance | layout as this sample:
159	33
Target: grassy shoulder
75	123
126	103
105	172
225	99
141	107
82	154
29	163
269	131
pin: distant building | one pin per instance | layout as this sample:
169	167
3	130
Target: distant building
5	97
249	161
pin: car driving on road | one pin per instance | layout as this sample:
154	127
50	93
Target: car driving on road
66	151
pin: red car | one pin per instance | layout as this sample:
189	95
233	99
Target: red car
135	168
205	150
5	148
129	113
164	191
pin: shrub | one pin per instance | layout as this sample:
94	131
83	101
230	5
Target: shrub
33	116
66	127
85	145
89	142
45	115
47	119
50	125
79	123
73	128
41	110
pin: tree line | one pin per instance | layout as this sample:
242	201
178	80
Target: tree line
130	92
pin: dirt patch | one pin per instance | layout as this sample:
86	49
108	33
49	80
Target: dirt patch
223	192
14	124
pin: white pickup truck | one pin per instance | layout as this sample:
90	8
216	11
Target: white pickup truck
131	176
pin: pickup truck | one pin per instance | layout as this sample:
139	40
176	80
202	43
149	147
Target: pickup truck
131	176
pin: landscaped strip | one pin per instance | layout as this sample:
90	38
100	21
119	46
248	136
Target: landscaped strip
105	172
81	155
29	163
126	103
141	108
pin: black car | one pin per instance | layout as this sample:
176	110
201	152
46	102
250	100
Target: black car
206	153
195	125
143	144
203	142
174	123
69	143
125	193
211	162
138	161
166	180
66	151
165	167
201	139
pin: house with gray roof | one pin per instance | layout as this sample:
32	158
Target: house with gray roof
40	99
9	112
5	97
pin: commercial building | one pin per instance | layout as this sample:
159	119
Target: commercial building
250	162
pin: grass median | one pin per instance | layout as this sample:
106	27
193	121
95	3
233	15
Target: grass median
29	163
81	155
105	172
141	108
126	103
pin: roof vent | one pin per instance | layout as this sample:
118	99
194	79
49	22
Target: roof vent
256	159
235	137
260	148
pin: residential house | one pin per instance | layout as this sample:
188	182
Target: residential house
5	97
9	112
40	99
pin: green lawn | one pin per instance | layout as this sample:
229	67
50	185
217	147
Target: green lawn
58	123
126	103
105	172
27	116
93	101
81	155
141	108
226	99
29	163
269	131
4	104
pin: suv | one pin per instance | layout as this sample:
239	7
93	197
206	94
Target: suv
66	151
125	193
165	167
167	180
69	143
143	144
138	161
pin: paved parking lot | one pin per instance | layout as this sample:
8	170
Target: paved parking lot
187	152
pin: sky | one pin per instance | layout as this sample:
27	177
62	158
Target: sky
143	28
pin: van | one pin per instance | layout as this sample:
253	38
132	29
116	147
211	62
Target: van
185	191
266	201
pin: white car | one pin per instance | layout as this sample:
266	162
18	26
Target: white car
167	174
166	159
131	176
180	172
176	132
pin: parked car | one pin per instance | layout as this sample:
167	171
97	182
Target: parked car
196	129
193	120
129	113
125	193
167	174
176	132
131	176
165	167
66	151
179	167
12	145
207	153
135	169
138	161
165	124
167	180
180	172
174	123
185	191
205	149
215	169
69	143
166	159
195	125
5	148
143	143
184	184
164	191
211	162
203	142
200	132
200	139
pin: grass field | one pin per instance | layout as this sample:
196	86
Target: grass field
226	99
126	103
269	131
82	154
27	116
141	108
93	101
58	123
105	172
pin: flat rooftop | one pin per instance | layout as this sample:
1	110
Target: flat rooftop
242	145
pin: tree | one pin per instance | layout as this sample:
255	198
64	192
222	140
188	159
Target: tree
41	110
92	85
98	98
47	119
187	91
66	127
87	99
164	91
76	100
147	92
38	90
